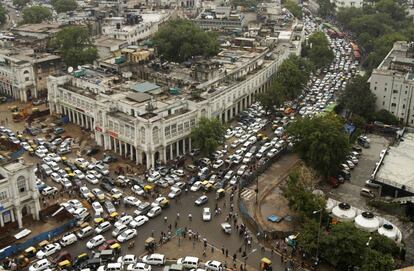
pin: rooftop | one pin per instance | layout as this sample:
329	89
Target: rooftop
144	87
42	27
397	168
15	166
27	54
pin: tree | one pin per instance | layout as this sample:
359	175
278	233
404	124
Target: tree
321	142
326	8
270	98
36	14
75	45
179	40
20	3
64	5
318	50
298	192
358	98
386	117
294	8
3	13
374	260
208	135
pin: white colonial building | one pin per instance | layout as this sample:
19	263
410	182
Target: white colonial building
147	127
18	193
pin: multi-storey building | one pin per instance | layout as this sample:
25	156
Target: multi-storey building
156	127
348	3
18	193
393	82
23	73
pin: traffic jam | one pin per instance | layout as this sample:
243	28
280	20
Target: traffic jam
117	214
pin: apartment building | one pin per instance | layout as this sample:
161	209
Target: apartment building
347	3
18	193
147	125
393	82
23	73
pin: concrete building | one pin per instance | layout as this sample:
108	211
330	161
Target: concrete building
134	30
18	193
219	18
393	82
23	72
347	3
395	173
147	124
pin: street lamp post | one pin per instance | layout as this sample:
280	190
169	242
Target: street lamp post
319	233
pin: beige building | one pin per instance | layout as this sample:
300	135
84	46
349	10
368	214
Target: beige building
393	82
18	193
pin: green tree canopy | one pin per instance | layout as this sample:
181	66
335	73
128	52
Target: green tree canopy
208	135
386	117
321	142
318	50
358	98
294	8
36	14
298	192
3	13
179	40
345	247
64	5
271	98
75	45
20	3
326	8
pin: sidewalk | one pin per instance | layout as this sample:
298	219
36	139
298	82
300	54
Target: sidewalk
181	247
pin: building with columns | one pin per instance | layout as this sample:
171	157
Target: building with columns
23	72
18	193
147	127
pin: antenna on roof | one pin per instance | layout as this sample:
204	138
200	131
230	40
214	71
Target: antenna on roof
70	69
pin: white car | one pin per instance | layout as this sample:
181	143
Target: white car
92	179
138	190
95	241
131	201
48	250
154	212
179	172
272	153
138	221
206	214
40	265
154	176
196	186
127	235
214	265
139	267
154	259
97	207
75	203
79	174
55	177
123	220
228	175
201	200
55	157
50	190
241	170
66	183
95	173
128	259
103	227
218	163
85	192
175	192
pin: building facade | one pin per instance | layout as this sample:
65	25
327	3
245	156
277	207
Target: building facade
348	3
147	128
18	193
393	82
23	73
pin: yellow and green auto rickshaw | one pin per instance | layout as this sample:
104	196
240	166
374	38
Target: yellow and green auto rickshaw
150	244
30	252
164	203
64	265
148	188
265	264
220	193
43	244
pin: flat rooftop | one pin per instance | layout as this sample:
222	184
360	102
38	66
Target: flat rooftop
397	169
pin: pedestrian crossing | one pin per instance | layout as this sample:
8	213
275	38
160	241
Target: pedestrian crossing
247	194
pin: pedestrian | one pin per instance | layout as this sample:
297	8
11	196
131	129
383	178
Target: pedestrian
212	249
175	224
178	216
169	227
222	250
234	257
152	233
204	252
227	253
165	219
190	217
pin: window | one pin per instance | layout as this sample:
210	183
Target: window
4	195
192	122
395	91
167	131
21	184
385	89
383	103
403	106
393	104
375	88
173	129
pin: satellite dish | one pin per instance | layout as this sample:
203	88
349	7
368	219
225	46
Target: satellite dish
79	67
70	69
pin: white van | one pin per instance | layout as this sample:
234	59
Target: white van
189	262
85	232
68	240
